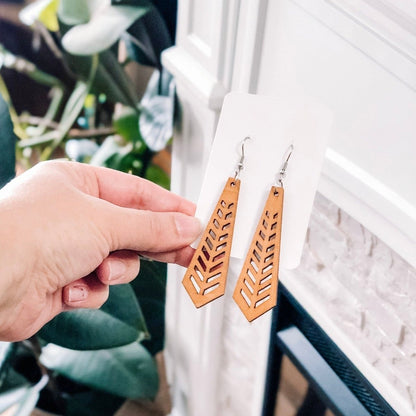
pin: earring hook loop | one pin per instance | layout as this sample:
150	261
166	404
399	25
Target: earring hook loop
240	165
282	172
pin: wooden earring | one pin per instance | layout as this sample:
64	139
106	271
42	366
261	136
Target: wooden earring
256	289
206	275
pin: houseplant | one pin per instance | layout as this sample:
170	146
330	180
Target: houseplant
88	361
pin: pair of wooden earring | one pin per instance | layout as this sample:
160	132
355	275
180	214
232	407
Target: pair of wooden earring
256	289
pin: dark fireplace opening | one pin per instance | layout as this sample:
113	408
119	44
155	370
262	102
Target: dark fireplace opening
301	350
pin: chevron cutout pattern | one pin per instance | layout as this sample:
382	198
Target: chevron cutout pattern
207	273
256	290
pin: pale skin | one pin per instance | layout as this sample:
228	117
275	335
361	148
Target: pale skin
69	230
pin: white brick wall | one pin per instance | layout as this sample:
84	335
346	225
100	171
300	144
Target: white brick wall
366	289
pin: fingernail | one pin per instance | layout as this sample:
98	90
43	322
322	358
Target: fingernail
77	293
188	227
117	269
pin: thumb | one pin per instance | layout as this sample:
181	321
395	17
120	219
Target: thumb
150	231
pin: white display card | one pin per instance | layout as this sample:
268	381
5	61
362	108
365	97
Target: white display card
272	123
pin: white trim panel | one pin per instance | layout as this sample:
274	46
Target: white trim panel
369	34
385	213
194	77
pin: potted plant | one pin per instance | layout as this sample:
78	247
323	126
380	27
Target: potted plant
89	361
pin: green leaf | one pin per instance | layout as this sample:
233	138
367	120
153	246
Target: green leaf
76	12
157	110
119	79
80	150
7	144
127	371
157	175
147	38
92	403
126	124
119	322
103	29
7	350
110	78
150	289
109	148
13	381
132	158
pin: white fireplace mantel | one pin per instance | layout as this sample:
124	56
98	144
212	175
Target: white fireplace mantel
359	59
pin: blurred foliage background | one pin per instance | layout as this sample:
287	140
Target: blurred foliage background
83	80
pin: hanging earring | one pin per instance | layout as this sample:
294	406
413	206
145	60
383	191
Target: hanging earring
256	290
207	273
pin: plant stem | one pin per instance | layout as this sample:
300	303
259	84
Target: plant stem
53	47
13	114
38	121
28	68
34	345
72	109
73	133
90	133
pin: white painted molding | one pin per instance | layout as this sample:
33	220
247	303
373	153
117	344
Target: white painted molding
382	40
394	21
382	211
203	59
250	32
194	77
201	30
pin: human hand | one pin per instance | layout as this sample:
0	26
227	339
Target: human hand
70	230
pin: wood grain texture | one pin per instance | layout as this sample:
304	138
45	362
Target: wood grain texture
207	273
256	289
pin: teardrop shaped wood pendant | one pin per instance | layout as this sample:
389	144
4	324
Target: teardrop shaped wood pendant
256	289
206	275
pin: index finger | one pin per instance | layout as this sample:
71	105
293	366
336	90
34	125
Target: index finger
130	191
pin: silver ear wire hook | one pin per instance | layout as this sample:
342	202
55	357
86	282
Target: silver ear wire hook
282	173
240	165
